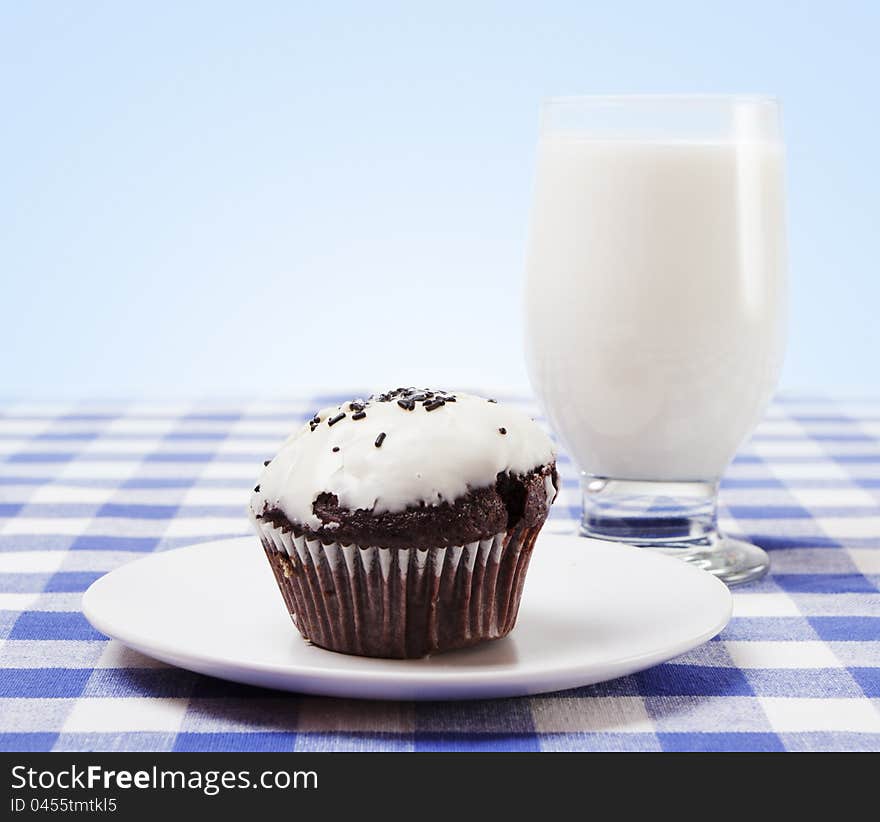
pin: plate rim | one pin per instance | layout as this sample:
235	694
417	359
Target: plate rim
412	674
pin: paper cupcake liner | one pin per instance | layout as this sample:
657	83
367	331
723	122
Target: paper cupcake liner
399	602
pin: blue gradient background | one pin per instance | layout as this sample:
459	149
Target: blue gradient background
229	198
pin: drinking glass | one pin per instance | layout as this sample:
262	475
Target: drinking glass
655	307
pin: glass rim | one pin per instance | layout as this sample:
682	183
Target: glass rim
574	99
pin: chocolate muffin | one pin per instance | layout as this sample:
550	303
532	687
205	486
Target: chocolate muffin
402	525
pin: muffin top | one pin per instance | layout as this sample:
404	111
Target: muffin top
399	451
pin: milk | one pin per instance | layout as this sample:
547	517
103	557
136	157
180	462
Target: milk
655	299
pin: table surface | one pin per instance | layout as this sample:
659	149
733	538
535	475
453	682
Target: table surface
87	487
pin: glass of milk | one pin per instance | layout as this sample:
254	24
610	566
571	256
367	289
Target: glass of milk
655	306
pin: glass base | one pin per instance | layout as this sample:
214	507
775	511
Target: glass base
675	518
733	561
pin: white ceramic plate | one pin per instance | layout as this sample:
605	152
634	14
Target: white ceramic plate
591	611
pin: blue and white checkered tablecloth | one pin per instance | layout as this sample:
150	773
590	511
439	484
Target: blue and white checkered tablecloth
87	487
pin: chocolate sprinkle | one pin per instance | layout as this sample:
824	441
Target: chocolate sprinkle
492	401
502	430
335	448
406	398
411	395
266	462
380	439
256	489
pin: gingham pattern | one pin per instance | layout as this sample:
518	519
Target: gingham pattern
85	488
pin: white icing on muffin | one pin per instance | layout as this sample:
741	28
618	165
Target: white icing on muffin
397	450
